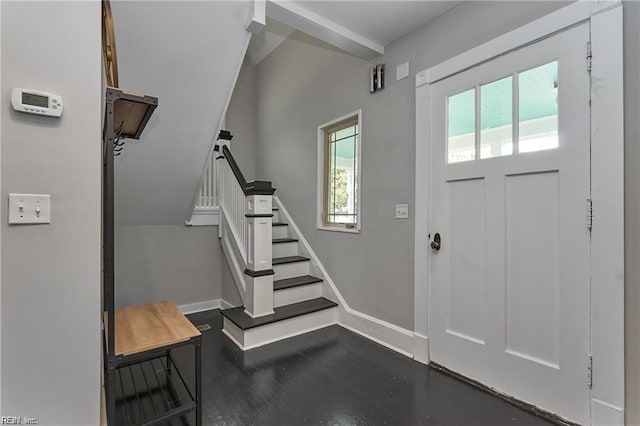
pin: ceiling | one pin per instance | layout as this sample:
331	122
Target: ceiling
379	21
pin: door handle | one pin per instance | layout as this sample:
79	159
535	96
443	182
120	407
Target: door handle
436	243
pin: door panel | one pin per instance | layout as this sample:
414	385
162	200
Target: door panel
466	249
509	287
532	272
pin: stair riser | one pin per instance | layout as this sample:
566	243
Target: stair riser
297	294
277	216
280	330
290	270
280	231
285	249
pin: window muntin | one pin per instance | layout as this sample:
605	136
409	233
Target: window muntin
341	174
481	118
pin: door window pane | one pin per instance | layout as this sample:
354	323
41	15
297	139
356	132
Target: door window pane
538	113
496	117
461	127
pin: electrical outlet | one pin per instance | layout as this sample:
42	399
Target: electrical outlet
29	208
402	211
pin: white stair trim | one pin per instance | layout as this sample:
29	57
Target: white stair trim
280	330
389	335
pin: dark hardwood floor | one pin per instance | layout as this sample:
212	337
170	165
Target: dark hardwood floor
333	377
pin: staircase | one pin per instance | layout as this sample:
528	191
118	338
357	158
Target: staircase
282	298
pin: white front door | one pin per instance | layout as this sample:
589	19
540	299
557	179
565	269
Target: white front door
510	182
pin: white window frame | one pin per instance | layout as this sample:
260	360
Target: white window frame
321	170
607	177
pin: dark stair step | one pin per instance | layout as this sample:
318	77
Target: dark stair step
245	322
284	240
288	259
295	282
275	208
279	224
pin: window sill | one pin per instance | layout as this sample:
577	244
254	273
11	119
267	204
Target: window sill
338	229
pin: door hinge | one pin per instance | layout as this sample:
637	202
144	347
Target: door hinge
589	213
589	56
590	371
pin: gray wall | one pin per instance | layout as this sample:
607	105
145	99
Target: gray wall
182	264
632	209
305	83
51	273
241	120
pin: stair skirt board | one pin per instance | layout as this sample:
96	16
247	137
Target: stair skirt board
269	333
290	270
301	293
285	249
280	231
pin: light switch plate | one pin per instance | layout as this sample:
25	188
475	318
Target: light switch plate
29	208
402	211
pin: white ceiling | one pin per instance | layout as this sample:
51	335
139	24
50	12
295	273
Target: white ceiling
381	21
378	21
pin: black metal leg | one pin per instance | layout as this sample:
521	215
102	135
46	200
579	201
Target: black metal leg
110	395
168	361
198	348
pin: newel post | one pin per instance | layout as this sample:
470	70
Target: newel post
259	272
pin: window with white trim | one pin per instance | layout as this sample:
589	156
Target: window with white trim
339	181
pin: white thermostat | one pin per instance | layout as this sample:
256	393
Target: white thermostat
36	102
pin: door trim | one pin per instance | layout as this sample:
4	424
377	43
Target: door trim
607	139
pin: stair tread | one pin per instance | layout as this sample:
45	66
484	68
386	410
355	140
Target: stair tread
274	208
295	282
288	259
279	224
284	240
245	322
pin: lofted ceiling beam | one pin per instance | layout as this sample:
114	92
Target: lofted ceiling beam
296	16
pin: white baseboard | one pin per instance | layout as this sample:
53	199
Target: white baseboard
386	334
226	305
192	308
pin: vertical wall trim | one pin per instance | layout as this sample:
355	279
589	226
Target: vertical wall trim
607	235
421	199
1	109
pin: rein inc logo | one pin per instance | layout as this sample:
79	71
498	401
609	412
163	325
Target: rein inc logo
18	420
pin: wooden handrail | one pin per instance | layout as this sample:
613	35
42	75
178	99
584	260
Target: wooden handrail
255	187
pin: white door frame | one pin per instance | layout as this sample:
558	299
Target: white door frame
607	173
